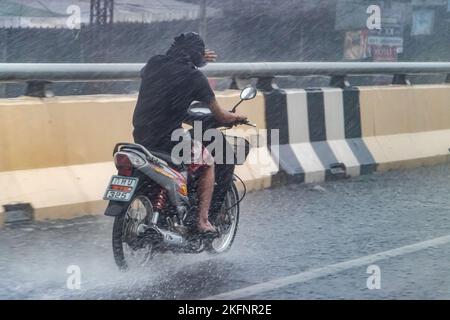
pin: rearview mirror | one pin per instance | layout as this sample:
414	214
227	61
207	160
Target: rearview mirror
248	93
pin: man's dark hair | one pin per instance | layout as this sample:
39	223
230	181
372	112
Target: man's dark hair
189	46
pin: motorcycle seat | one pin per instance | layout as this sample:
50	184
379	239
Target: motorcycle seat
149	153
167	158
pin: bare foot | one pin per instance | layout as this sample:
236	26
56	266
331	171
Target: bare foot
205	226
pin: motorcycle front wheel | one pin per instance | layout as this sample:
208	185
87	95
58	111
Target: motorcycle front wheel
131	251
227	222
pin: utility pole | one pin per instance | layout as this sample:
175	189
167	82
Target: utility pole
100	33
202	18
102	12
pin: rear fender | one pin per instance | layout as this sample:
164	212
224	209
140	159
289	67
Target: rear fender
116	208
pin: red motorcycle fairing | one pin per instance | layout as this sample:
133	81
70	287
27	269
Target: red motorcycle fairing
178	178
174	182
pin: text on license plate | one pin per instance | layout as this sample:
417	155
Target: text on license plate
121	188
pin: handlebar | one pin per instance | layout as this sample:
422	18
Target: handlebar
210	122
245	122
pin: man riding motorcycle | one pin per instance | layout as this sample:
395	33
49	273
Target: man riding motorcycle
170	83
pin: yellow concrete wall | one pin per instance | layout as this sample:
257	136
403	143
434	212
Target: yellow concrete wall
406	126
404	109
258	170
62	131
56	153
42	133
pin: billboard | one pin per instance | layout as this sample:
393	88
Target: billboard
352	15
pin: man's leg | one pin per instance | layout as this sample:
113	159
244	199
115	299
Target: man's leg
203	167
205	192
211	195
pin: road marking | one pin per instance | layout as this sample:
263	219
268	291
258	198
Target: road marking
328	270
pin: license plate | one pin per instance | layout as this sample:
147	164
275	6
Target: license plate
121	188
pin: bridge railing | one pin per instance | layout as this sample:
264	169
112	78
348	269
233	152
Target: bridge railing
37	76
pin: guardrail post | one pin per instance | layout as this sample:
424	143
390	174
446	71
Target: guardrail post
37	88
339	81
266	84
447	79
239	83
233	84
400	79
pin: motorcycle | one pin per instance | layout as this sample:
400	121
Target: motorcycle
154	202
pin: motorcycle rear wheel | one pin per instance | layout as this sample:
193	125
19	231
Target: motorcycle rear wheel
129	250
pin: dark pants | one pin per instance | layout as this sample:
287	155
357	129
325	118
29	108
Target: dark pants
223	174
224	178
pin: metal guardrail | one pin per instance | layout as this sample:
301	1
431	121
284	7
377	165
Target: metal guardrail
39	75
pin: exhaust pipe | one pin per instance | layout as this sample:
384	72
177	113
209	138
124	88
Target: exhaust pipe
167	237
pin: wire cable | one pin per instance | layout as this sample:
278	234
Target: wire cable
243	194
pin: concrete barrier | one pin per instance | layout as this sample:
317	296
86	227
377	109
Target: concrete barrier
318	128
406	126
55	153
365	128
259	168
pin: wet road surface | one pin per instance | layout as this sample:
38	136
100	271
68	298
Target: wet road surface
293	242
